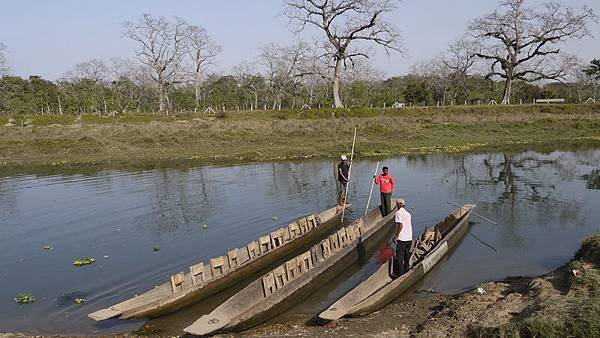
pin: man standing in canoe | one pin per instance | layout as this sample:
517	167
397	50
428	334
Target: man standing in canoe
343	171
386	187
403	239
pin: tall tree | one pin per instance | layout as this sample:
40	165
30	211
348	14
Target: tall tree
522	42
282	66
202	51
345	24
3	61
460	59
160	46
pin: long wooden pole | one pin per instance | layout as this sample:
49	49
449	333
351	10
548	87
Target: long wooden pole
474	213
349	174
372	185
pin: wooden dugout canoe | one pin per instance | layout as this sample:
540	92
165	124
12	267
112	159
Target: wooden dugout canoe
288	283
380	289
203	280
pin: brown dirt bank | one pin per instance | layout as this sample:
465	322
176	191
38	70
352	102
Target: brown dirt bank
238	137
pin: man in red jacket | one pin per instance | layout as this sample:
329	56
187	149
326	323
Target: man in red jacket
386	187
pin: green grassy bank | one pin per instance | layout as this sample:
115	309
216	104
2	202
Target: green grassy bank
235	137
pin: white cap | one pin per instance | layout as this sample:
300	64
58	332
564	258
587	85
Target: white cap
344	158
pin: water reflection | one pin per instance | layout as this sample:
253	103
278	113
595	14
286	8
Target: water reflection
544	204
592	179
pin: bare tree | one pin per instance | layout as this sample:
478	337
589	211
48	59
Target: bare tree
522	42
202	51
345	24
3	60
94	70
460	59
160	45
249	79
282	66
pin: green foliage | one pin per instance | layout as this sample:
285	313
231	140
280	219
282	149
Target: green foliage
593	70
590	250
83	261
417	91
24	298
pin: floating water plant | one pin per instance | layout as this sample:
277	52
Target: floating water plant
83	261
156	248
79	301
205	226
106	257
275	218
24	298
47	247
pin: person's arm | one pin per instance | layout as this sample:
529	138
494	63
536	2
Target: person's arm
341	173
398	229
376	179
392	182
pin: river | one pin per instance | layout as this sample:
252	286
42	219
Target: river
544	204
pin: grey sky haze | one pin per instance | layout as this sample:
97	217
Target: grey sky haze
48	37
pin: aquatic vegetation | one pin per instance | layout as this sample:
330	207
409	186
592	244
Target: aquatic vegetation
275	218
156	248
79	301
47	247
83	261
24	298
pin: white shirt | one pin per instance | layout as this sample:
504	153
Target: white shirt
402	216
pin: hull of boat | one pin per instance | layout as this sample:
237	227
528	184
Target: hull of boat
163	300
281	288
380	289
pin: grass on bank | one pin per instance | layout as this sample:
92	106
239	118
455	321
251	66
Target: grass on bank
236	137
577	315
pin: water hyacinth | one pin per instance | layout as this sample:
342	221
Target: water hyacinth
83	261
24	298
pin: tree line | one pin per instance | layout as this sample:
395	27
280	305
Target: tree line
511	55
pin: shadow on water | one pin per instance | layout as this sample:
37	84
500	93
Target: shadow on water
545	204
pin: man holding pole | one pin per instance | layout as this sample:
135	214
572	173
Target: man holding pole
343	170
386	187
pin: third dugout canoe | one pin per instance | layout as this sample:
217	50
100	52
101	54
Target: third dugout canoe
380	289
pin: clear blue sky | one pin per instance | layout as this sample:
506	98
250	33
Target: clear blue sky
48	37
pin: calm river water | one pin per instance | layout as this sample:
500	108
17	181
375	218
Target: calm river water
545	205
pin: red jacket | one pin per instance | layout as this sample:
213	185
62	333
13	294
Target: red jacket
386	183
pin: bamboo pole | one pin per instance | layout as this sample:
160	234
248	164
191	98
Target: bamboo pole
349	174
474	213
372	185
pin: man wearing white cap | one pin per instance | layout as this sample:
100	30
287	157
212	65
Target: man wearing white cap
343	171
403	238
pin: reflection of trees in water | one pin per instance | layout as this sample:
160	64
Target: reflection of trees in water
511	188
8	197
592	180
173	201
306	181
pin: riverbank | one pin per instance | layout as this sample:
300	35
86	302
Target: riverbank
139	141
562	303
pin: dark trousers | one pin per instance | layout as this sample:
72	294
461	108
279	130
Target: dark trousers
386	203
342	187
402	257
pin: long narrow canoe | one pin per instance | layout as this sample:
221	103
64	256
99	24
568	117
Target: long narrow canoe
238	265
288	283
380	289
